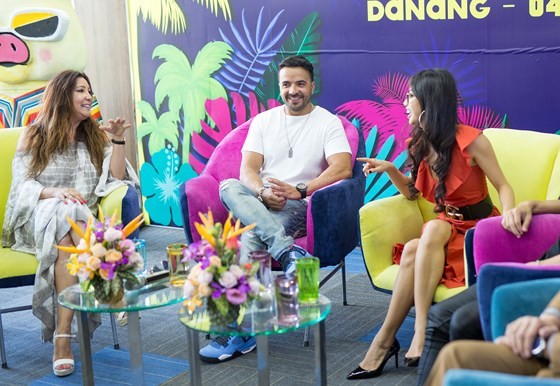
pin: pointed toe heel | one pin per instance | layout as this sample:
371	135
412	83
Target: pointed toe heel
412	362
360	373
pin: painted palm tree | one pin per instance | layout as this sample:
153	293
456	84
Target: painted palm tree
166	14
186	87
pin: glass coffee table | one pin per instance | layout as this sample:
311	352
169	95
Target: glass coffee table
154	295
309	315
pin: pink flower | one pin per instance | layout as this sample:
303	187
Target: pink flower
215	261
237	271
127	247
98	250
136	260
188	289
236	297
112	234
204	290
205	277
254	285
228	280
93	263
113	256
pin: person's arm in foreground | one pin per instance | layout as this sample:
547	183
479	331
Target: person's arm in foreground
521	216
520	334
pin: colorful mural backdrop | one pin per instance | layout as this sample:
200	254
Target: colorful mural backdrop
38	39
205	66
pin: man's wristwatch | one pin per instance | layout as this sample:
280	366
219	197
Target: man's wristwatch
260	192
302	189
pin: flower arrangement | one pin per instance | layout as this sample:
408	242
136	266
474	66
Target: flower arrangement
104	256
217	276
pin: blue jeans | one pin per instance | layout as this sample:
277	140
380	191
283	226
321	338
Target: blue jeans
274	229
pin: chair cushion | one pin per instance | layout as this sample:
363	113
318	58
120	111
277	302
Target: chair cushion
16	268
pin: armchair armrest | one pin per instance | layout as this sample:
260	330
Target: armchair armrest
511	301
384	223
125	201
494	275
332	220
464	377
492	243
200	194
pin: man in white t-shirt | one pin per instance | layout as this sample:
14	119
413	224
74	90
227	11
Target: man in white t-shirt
290	152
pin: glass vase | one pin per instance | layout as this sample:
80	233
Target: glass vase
108	292
222	316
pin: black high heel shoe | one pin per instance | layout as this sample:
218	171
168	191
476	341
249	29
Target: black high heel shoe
412	362
360	373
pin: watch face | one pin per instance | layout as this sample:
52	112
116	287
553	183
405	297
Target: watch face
301	186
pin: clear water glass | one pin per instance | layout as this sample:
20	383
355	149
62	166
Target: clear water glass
287	299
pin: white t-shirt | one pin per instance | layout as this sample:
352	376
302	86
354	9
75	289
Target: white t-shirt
313	137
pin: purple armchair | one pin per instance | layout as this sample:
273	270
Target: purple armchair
332	214
500	258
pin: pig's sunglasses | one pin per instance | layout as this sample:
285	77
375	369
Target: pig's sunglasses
38	24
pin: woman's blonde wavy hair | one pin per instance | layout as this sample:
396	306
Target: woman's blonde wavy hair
51	133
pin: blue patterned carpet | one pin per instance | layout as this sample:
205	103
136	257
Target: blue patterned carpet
112	367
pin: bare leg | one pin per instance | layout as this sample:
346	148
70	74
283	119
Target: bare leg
62	280
430	260
401	301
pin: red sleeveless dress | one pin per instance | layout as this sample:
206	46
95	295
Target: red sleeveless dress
465	185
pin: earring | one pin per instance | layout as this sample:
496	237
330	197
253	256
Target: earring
420	119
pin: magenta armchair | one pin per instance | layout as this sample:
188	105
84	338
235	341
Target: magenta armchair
500	258
332	214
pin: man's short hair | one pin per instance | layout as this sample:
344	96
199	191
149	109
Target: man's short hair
297	61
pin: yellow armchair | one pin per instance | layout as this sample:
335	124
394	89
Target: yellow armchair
531	164
18	269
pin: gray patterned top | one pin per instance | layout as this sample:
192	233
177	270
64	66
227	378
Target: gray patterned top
35	226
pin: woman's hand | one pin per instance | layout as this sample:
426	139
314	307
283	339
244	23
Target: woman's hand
518	219
116	127
64	194
374	165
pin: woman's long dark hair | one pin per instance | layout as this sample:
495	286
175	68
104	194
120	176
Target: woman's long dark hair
436	92
51	133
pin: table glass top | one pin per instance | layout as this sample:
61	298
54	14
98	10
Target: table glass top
309	314
157	294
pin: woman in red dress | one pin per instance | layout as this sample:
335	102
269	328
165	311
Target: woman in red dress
449	166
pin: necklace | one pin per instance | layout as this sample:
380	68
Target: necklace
290	144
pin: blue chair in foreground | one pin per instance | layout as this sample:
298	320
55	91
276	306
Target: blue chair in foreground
18	269
509	302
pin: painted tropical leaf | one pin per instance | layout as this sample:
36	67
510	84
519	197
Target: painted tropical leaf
159	129
204	143
162	14
166	14
378	185
392	88
389	115
252	53
217	5
304	39
187	87
481	117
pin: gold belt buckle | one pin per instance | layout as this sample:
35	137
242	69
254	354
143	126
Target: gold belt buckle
452	212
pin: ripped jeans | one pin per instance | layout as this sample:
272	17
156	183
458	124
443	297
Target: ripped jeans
274	228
